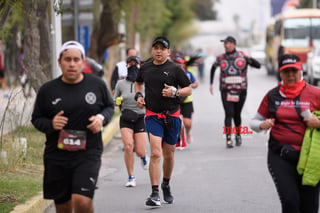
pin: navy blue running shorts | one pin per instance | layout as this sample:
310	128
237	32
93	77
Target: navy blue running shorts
157	127
61	180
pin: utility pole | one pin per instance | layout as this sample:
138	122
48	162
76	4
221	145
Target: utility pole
76	18
56	40
122	31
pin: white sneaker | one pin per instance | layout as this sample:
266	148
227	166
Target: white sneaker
145	164
131	182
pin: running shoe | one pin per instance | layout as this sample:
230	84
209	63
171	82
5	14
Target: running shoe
184	145
153	199
238	140
229	144
145	162
131	182
167	197
178	144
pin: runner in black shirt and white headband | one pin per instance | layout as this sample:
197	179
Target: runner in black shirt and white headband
71	111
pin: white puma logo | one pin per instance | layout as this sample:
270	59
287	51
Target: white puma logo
167	73
84	189
92	180
56	101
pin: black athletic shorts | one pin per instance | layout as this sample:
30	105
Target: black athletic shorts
186	110
61	180
137	126
1	73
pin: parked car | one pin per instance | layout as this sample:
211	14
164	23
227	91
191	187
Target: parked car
257	52
313	65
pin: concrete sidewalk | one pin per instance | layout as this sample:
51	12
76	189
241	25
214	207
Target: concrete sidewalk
39	205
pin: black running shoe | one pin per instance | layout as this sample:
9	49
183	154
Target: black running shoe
229	144
238	140
153	199
167	193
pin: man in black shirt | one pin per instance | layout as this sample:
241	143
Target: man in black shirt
164	82
71	111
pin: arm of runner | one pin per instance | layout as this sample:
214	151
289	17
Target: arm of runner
312	122
211	89
138	88
259	123
254	63
212	71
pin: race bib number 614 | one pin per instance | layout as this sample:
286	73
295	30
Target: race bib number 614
72	140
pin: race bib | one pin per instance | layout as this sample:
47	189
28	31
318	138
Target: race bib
72	140
233	79
232	97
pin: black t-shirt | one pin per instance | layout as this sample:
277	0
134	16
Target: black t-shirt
79	102
154	78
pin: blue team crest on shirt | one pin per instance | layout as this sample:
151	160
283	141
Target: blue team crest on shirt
91	98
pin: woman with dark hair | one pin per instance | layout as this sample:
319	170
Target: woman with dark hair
132	127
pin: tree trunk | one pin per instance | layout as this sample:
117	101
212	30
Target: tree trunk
105	30
37	49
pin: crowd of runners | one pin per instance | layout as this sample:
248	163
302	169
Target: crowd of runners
156	104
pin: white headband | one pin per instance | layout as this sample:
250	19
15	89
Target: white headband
72	45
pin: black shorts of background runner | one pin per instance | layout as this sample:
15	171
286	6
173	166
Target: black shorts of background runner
137	126
61	180
288	184
186	109
2	73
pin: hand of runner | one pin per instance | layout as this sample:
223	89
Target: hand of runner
59	121
96	124
140	102
267	124
169	91
312	122
211	89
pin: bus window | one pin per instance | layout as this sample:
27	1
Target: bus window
315	23
296	32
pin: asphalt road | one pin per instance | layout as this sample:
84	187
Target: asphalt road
207	177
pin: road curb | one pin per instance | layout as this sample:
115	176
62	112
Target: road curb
37	204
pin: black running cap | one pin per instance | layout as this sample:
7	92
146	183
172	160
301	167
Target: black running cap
230	39
134	58
290	60
162	40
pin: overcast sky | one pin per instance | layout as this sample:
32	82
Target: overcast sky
248	10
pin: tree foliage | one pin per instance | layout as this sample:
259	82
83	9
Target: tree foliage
204	9
148	18
172	19
105	28
11	23
30	19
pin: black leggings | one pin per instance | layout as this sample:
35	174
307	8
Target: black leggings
294	197
232	110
